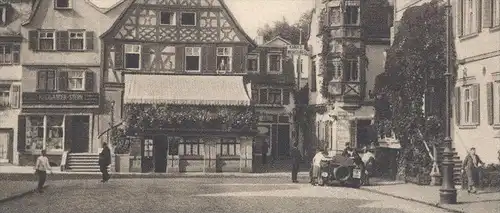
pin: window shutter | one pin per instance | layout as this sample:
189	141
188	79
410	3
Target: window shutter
460	18
479	15
209	58
63	81
89	81
477	101
458	103
312	83
62	40
33	39
263	61
89	40
179	58
146	58
286	96
487	13
119	56
21	133
489	94
41	79
14	96
238	56
16	56
263	96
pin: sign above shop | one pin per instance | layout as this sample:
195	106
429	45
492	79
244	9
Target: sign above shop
67	99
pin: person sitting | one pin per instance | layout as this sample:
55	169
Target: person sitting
316	163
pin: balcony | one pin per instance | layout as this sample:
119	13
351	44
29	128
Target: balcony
348	91
60	100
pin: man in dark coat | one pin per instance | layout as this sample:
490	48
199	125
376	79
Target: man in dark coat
265	149
471	167
296	158
104	162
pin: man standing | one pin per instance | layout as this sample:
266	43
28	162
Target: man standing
265	149
369	161
104	162
296	158
41	167
471	168
316	164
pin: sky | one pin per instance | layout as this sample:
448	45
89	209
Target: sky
253	14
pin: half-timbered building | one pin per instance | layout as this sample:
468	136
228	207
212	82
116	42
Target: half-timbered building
61	79
12	14
175	69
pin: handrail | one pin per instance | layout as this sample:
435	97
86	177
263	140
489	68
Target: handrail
64	160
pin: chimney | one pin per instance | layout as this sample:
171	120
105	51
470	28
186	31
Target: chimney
259	40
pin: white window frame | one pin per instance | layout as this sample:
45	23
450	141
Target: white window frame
83	80
229	54
495	16
269	63
467	105
348	21
193	53
469	17
45	132
3	46
70	5
188	25
173	18
496	103
44	37
351	62
252	57
83	38
5	96
3	16
132	49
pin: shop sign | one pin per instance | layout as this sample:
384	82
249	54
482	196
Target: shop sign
53	98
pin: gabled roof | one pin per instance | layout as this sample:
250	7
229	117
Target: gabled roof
97	4
277	38
223	5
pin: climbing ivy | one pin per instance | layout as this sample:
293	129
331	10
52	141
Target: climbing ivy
326	40
415	61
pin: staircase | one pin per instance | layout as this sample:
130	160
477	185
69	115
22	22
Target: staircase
457	174
84	162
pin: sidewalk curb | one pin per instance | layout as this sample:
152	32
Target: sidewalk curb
20	195
61	176
413	200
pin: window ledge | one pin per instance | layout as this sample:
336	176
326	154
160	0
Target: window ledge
469	36
229	157
495	28
38	152
468	126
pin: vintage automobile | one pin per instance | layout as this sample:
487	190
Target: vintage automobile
342	170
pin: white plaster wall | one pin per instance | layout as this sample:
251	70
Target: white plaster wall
8	119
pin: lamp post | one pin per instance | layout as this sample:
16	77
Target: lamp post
299	104
448	193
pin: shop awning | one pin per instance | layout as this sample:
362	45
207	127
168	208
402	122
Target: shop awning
186	89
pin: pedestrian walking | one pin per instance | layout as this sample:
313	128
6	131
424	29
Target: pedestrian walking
42	165
471	168
104	162
296	158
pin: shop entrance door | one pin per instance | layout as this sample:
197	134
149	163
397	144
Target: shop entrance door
79	133
160	153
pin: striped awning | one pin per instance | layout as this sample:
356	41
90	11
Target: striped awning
186	89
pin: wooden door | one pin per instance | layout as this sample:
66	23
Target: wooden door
147	163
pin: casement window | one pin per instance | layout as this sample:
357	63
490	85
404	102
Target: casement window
351	68
224	59
9	54
63	4
193	60
188	19
469	17
253	63
312	84
191	146
337	68
274	63
148	148
4	95
271	96
3	15
495	9
229	147
493	102
132	56
46	40
167	18
469	108
76	80
45	132
46	80
76	40
351	16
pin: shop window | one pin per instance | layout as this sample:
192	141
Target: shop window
148	148
45	132
191	147
229	147
55	132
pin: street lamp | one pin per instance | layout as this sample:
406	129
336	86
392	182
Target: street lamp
448	193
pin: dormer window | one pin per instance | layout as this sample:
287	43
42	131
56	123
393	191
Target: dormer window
3	15
62	4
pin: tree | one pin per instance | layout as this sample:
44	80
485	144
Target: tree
290	32
415	61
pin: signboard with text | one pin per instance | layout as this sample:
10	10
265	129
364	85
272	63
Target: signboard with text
296	49
53	98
